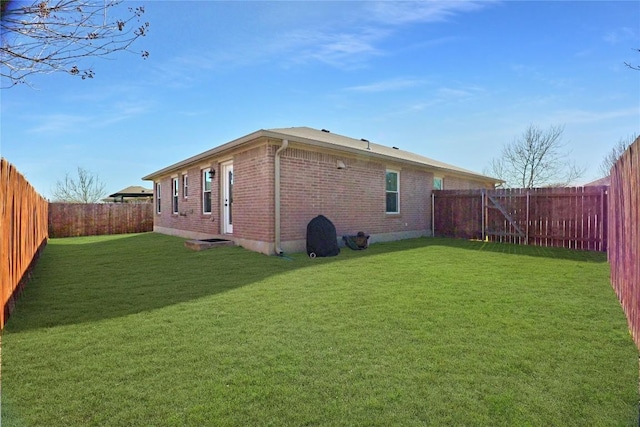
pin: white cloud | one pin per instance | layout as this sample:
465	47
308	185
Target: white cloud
75	123
585	116
341	50
449	93
397	13
351	42
60	123
454	94
387	85
121	111
620	35
346	36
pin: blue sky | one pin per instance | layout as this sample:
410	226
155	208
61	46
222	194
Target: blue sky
451	80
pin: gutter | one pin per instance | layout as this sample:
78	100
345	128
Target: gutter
204	156
277	249
374	152
371	152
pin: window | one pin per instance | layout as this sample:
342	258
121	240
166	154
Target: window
437	183
185	186
206	191
175	195
158	193
393	191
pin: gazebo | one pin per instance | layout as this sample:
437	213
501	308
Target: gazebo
132	194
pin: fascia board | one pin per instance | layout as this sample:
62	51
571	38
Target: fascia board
380	156
314	143
203	156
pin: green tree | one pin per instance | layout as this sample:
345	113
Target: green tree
47	36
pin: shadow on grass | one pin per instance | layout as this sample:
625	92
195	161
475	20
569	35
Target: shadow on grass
94	278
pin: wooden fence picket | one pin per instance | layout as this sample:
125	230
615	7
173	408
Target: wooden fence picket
93	219
624	235
27	221
566	217
23	233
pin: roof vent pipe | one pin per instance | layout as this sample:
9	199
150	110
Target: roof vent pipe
277	249
367	141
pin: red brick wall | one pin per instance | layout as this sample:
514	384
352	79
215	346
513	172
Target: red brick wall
254	194
352	198
190	216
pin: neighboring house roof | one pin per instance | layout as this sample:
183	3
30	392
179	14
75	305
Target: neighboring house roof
598	182
327	140
133	191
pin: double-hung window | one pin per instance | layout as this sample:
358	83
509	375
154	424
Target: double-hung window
392	182
175	188
158	193
206	191
185	185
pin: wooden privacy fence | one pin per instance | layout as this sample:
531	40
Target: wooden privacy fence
88	219
624	235
23	233
565	217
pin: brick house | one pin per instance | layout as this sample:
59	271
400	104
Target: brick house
262	189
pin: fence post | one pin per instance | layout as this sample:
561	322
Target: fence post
526	232
484	224
601	224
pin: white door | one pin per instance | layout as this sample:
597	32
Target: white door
227	196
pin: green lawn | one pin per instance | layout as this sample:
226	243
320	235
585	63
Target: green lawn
137	330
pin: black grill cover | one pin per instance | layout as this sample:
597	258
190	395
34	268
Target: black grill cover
322	238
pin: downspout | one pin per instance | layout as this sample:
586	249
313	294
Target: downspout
285	144
433	214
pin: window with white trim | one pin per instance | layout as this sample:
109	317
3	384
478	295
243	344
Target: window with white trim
175	186
158	193
206	191
392	188
185	185
437	183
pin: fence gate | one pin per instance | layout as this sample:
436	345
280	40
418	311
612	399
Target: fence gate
566	217
503	214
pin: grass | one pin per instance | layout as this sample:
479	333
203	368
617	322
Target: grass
137	330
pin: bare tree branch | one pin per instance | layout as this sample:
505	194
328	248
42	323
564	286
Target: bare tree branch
54	35
86	188
535	159
616	151
633	67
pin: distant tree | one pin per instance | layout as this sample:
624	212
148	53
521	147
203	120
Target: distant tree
616	151
633	67
535	159
47	36
86	188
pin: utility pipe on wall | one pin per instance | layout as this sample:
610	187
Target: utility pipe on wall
285	144
433	214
